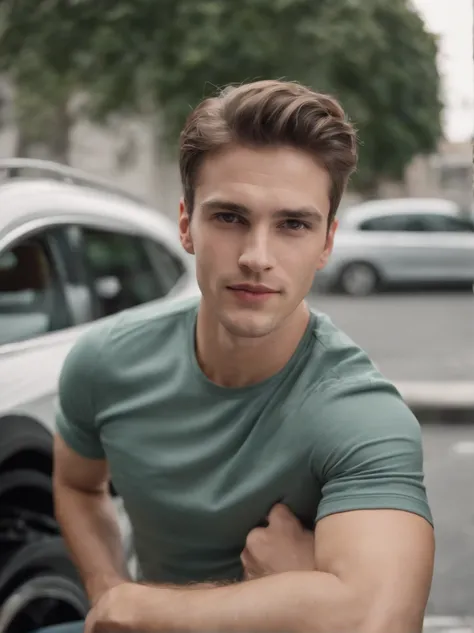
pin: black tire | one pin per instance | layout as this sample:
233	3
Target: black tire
28	489
23	436
368	283
47	556
44	600
26	510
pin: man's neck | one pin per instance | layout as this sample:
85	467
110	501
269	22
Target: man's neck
231	361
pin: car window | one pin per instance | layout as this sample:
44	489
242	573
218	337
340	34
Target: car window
120	269
168	267
32	302
76	284
395	222
417	223
448	223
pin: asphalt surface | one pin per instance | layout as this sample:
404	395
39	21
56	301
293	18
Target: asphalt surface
410	336
449	469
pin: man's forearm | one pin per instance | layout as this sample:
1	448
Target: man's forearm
88	522
306	602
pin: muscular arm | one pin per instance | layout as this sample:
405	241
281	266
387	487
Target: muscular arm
374	575
83	506
88	520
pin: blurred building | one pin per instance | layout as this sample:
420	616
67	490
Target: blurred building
447	174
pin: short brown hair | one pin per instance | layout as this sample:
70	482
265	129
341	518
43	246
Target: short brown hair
265	113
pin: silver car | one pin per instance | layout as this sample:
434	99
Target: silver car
72	250
400	241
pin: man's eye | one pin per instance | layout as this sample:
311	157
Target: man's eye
228	218
296	225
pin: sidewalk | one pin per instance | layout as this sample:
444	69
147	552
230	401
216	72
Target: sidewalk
440	401
446	624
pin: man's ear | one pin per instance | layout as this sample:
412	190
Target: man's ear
329	245
184	224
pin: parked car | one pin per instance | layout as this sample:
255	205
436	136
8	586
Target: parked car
400	241
73	250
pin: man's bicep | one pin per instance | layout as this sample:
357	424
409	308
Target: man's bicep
373	524
77	401
78	472
370	457
80	435
387	557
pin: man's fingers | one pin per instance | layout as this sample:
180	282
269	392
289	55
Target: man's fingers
247	561
255	538
246	558
89	623
252	569
280	513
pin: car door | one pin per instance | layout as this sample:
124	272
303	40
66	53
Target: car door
36	321
452	246
52	289
422	249
394	242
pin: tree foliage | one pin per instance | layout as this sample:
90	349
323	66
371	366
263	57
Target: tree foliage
135	56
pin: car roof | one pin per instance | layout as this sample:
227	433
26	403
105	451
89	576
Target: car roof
355	214
29	199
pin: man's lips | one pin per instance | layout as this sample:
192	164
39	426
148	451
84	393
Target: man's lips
257	289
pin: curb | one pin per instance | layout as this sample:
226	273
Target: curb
448	624
439	402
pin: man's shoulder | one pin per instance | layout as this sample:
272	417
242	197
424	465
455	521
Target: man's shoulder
155	317
365	442
338	363
137	331
347	389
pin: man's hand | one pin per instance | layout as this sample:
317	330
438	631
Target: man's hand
282	546
114	611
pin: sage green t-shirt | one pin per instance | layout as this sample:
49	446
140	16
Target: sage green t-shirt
199	465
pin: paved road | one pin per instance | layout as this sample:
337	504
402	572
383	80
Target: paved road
449	467
410	336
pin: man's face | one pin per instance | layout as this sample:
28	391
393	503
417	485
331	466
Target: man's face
259	231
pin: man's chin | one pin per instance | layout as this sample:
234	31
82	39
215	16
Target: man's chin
248	326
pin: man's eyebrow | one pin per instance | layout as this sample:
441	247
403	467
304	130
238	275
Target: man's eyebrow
302	213
225	205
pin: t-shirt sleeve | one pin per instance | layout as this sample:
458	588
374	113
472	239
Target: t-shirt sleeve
76	406
368	453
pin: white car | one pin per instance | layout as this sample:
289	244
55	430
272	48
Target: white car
73	249
409	241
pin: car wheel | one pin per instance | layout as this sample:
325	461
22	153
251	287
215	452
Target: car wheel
359	279
28	489
24	443
26	511
41	585
40	601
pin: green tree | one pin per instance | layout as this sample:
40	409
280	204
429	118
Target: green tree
399	104
44	54
145	56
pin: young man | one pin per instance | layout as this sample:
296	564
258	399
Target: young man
273	477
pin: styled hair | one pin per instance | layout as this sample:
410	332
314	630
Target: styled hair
270	113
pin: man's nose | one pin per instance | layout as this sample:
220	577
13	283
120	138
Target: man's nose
256	255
